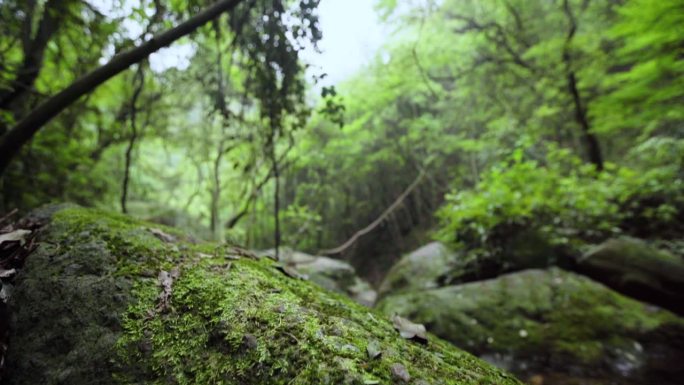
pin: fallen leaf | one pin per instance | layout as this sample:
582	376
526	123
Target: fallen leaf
6	292
166	282
239	251
373	349
371	382
164	237
15	236
249	341
291	272
400	373
410	330
7	273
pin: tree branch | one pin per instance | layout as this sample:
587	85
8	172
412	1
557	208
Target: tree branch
23	131
376	222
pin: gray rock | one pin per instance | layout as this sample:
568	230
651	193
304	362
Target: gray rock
329	273
419	269
550	320
638	270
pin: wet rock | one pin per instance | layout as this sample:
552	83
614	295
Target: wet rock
638	270
538	321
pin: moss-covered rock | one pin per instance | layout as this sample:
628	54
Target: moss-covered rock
91	307
545	322
637	269
420	269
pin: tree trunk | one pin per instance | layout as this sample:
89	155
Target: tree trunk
590	141
214	224
276	200
140	79
23	131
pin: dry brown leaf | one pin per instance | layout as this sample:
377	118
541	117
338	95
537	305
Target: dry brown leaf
374	350
410	330
291	272
239	251
15	236
166	282
164	237
7	273
400	373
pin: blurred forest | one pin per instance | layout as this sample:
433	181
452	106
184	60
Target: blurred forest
481	124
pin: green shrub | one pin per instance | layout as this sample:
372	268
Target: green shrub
567	201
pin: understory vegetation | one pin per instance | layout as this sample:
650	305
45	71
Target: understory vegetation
563	115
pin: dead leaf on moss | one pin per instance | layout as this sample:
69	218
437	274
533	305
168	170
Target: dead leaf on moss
7	273
239	251
410	330
291	272
374	350
164	237
166	282
400	373
15	236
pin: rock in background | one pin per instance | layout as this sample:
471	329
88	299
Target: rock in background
552	324
332	274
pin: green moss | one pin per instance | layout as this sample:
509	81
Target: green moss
421	269
229	322
548	316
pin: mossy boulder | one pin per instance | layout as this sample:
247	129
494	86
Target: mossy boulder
109	300
635	268
437	265
332	274
539	323
420	269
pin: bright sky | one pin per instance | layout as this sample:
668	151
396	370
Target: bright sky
352	35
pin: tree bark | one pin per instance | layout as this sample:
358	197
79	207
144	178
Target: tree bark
140	78
23	131
276	196
591	143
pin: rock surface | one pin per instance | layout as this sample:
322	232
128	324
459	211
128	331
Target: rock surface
547	323
419	269
103	300
638	270
332	274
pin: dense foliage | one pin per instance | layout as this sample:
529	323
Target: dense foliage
565	116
